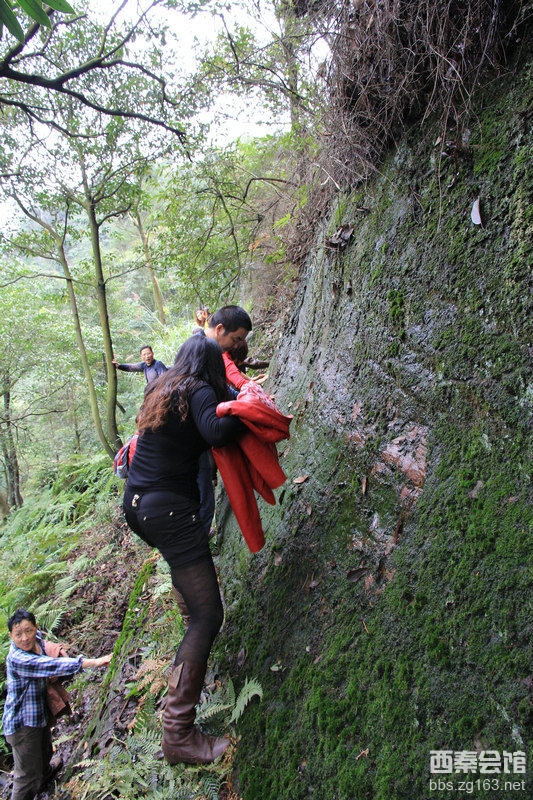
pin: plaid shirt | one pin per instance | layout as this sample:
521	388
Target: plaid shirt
27	674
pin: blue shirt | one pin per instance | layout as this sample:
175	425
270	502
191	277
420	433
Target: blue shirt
27	674
151	373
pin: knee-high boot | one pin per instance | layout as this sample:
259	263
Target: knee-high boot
184	611
183	742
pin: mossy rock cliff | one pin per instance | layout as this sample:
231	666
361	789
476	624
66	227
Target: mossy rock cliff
390	612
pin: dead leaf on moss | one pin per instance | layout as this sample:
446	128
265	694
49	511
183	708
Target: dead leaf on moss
476	490
341	237
356	574
301	479
475	214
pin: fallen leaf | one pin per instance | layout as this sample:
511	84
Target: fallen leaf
356	574
301	479
398	530
277	559
341	238
476	490
475	214
369	582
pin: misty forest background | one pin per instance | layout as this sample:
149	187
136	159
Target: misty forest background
305	160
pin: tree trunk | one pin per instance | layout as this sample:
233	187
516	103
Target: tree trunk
9	452
93	400
61	257
89	205
158	298
111	397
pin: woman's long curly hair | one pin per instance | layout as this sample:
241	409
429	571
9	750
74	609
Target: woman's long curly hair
199	360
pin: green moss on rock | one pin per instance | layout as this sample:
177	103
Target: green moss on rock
389	613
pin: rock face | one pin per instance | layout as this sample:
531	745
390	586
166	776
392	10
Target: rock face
388	617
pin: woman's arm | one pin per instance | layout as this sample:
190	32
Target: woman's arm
203	404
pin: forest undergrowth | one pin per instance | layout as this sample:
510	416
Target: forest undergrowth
70	558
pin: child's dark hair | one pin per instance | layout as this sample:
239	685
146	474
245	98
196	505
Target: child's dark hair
239	353
20	615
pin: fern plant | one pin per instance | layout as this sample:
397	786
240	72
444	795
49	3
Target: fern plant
211	786
223	699
251	688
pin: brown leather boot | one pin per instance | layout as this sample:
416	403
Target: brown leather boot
184	611
182	740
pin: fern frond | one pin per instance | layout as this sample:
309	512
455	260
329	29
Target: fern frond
251	688
150	675
210	787
49	617
230	692
65	586
210	709
81	564
146	743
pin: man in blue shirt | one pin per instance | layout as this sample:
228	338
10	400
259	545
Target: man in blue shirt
152	369
26	716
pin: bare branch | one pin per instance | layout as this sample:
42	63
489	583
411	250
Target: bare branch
106	59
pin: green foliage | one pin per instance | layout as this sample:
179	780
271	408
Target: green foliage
211	787
268	67
36	539
34	10
211	215
251	688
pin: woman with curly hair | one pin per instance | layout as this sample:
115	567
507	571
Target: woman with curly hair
177	423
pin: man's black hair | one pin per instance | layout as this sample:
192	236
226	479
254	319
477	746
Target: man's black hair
20	615
146	347
232	318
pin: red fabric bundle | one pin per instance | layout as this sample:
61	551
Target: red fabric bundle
251	463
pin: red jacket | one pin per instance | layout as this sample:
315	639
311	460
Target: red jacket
251	463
